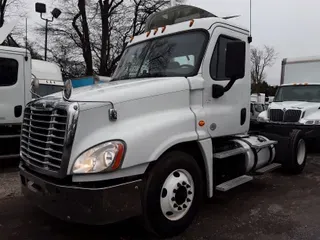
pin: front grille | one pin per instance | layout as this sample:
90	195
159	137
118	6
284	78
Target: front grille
43	137
276	115
292	116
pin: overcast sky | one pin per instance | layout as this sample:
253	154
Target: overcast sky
290	26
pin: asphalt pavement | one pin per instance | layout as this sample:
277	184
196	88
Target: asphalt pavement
273	206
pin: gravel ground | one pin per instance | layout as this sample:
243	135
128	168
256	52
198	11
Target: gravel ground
274	206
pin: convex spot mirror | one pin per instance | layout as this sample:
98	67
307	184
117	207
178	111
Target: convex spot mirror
35	83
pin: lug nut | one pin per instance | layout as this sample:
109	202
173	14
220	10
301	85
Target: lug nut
179	208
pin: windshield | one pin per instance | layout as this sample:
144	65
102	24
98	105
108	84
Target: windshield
45	90
306	93
174	55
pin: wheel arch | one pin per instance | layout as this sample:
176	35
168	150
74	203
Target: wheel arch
201	151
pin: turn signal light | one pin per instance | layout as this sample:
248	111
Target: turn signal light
191	23
155	31
201	123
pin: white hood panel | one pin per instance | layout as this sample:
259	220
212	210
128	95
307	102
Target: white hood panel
126	90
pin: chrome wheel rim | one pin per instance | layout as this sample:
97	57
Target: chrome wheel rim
177	194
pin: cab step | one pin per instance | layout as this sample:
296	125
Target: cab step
229	153
268	168
226	186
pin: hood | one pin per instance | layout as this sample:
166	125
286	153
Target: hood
294	105
126	90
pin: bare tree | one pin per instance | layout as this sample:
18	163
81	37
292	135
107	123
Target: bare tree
260	60
12	7
84	35
94	33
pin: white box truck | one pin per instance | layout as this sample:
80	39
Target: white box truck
156	138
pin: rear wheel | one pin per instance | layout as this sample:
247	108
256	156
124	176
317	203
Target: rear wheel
295	161
173	194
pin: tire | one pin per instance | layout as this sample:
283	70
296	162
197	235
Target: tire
172	195
295	160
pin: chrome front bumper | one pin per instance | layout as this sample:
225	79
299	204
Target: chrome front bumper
88	205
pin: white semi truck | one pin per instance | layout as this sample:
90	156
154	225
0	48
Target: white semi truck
17	70
297	101
156	138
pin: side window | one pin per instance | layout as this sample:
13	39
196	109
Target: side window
217	64
8	72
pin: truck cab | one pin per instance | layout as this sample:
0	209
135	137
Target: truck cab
48	75
18	71
15	70
298	97
170	127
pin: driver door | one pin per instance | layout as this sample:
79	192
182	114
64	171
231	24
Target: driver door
228	114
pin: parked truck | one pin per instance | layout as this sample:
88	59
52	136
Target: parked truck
17	71
297	101
159	136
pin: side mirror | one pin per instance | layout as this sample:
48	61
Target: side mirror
35	83
34	87
235	60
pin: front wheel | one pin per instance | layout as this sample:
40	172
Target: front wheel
173	194
295	161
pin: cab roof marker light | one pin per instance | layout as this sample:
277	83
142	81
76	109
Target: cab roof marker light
131	38
305	84
191	23
163	29
148	33
155	31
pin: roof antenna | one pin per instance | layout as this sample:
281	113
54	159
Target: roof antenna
26	57
250	36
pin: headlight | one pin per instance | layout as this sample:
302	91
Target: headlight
312	122
103	157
